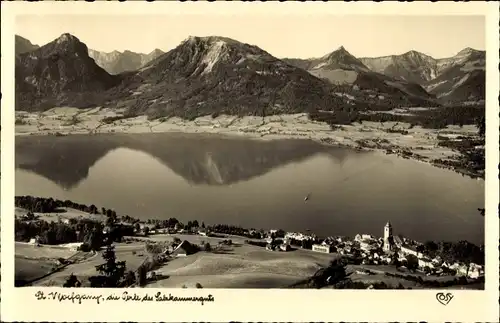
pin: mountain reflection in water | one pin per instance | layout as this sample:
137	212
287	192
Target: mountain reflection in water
252	183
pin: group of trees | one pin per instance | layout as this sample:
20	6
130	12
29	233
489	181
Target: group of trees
431	119
430	283
112	273
90	232
236	230
334	275
167	223
51	233
49	205
305	243
462	251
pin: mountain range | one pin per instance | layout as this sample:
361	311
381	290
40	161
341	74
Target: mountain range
454	79
215	75
118	62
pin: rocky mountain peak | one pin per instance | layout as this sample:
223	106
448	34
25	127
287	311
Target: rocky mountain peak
466	52
66	43
340	58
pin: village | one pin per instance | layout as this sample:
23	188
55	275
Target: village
158	242
389	250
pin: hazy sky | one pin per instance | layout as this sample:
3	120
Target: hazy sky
282	36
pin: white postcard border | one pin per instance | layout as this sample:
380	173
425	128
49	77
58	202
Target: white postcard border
19	304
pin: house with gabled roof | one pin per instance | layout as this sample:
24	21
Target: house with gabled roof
184	249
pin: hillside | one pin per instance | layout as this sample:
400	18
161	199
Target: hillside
217	75
23	45
455	79
462	78
344	70
60	73
118	62
411	66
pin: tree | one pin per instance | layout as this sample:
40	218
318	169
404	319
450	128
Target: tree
203	225
94	239
113	271
334	274
481	125
129	278
72	281
142	275
207	247
146	231
198	285
412	262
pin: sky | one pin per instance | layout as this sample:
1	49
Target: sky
282	36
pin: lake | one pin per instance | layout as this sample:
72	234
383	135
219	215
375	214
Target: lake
253	184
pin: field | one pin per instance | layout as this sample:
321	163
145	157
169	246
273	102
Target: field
65	214
29	251
29	269
239	266
133	254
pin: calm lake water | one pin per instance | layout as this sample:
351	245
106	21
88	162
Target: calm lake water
253	183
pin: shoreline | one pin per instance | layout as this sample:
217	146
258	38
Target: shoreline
401	139
67	210
301	247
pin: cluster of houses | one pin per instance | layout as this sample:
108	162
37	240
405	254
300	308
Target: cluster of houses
386	250
372	250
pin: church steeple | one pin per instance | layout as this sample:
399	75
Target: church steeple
388	239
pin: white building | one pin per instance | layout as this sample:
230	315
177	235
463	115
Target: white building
475	271
462	270
297	236
386	259
424	262
321	248
398	241
285	247
368	245
437	261
408	250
